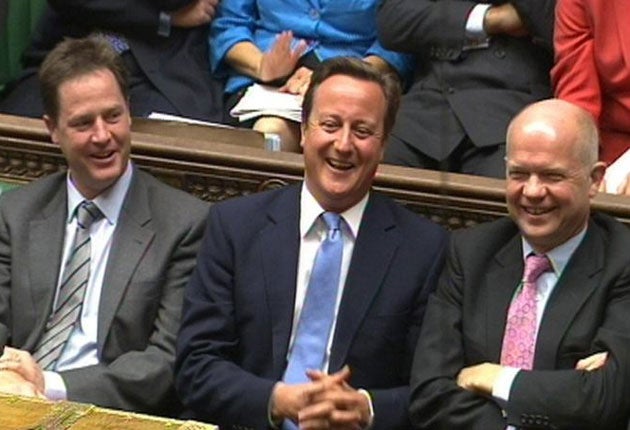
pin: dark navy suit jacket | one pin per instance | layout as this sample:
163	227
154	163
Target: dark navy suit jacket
239	305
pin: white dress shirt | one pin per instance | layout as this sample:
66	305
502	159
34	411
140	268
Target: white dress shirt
81	349
313	231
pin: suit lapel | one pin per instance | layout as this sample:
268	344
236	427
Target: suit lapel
503	277
131	239
279	248
44	260
373	251
574	287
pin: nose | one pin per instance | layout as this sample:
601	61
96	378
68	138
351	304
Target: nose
343	140
100	131
534	187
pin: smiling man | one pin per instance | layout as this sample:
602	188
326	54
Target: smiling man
306	302
529	325
93	262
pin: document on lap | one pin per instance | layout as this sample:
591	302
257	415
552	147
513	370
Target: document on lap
262	100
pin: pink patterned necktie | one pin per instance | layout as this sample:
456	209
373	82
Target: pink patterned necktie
519	339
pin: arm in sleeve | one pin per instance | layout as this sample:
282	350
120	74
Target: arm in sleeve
424	27
209	380
235	22
570	398
574	75
436	399
142	380
391	406
124	16
538	16
5	280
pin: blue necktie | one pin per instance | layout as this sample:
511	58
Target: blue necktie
318	311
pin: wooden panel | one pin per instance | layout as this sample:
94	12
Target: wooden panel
214	170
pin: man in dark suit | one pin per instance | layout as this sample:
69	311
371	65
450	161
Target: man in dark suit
115	342
163	43
246	304
575	362
477	65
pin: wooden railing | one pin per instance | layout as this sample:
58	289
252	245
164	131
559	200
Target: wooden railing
216	163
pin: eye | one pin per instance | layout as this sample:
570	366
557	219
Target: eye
554	177
81	124
329	126
363	132
113	116
517	175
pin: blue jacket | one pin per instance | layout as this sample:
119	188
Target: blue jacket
332	28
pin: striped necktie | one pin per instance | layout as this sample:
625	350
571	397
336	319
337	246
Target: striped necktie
71	290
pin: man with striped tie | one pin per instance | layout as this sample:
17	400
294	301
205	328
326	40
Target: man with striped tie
93	261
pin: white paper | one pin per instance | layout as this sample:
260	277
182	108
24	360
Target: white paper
262	100
168	117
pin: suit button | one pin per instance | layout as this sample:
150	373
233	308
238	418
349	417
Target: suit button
314	13
499	53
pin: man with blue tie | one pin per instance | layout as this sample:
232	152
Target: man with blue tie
306	302
529	325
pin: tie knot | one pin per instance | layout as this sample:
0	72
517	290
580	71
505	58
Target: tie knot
333	222
87	213
536	265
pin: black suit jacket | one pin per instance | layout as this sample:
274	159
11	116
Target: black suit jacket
587	312
152	254
455	92
176	65
238	308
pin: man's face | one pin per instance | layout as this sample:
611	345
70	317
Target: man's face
93	131
548	187
343	140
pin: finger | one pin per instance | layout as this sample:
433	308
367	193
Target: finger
592	362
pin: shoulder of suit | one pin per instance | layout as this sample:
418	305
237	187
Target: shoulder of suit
169	195
40	189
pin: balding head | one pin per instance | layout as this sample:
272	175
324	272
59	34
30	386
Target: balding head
552	172
562	121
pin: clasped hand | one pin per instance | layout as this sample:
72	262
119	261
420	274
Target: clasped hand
326	402
20	374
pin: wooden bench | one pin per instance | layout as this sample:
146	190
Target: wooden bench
202	163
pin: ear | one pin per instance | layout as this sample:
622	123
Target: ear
51	125
597	176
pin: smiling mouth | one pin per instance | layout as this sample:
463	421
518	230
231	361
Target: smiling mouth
537	211
339	165
103	155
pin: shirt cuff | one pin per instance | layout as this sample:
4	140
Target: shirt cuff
274	425
476	37
369	399
164	26
54	387
503	385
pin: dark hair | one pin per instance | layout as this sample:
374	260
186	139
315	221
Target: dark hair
73	58
358	69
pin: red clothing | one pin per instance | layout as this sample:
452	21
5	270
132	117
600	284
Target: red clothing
592	66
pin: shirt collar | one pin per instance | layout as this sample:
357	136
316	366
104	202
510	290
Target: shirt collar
560	255
310	210
109	201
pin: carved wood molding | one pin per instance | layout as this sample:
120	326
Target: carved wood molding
216	171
